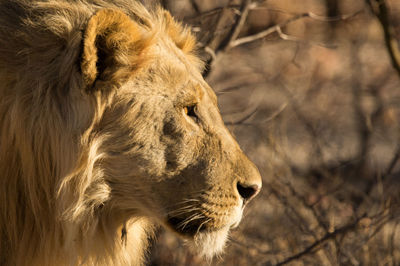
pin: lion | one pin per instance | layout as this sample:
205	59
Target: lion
107	131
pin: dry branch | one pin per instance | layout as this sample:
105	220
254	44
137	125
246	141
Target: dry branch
328	236
264	33
381	11
278	28
245	117
232	40
211	13
244	11
393	162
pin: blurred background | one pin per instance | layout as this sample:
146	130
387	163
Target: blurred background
311	90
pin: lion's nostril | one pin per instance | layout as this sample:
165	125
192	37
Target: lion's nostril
247	192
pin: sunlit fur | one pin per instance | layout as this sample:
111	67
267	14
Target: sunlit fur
95	146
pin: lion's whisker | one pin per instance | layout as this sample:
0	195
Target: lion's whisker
191	218
185	201
206	221
183	211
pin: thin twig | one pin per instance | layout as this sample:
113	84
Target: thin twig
328	236
311	208
250	246
311	14
381	11
264	33
195	6
299	220
278	27
244	11
364	127
215	42
308	125
393	162
211	12
288	37
392	243
243	16
244	118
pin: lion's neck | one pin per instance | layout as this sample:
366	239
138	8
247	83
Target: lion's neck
122	243
100	228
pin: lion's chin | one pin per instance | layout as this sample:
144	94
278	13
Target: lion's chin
209	244
207	241
202	240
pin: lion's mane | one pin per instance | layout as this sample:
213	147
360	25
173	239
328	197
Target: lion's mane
49	188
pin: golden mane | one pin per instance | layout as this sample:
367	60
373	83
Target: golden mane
46	179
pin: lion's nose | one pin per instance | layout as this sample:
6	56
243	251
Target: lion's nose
247	192
248	182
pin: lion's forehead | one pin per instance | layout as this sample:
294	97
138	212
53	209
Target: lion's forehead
178	72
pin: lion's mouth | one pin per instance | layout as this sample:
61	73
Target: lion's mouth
187	228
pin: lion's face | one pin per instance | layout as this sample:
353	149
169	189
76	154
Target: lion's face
169	155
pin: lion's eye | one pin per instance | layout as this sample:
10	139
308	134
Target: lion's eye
190	111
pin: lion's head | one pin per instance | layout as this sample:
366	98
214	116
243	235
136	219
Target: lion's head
128	131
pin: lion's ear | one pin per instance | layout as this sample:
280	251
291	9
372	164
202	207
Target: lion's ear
113	48
180	35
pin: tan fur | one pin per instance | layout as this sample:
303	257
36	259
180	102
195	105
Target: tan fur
97	143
